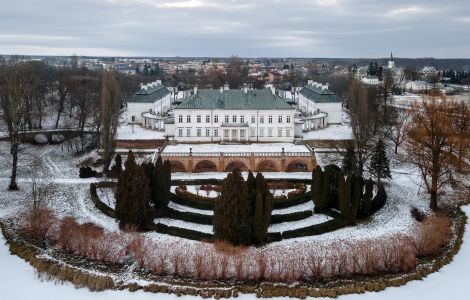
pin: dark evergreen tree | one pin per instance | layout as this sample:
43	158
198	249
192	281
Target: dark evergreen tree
366	200
317	188
118	164
166	183
349	160
325	191
251	185
262	217
356	194
157	186
232	217
379	165
132	197
344	187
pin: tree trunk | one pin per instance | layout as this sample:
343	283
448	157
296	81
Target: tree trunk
433	203
14	152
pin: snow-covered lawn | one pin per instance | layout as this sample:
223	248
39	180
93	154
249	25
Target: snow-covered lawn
332	132
185	225
296	208
313	220
106	195
217	148
184	208
137	132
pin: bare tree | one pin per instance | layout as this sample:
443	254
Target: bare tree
110	104
14	83
462	131
399	127
431	140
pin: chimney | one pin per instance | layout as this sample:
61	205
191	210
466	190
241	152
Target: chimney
195	90
221	89
324	87
310	82
158	82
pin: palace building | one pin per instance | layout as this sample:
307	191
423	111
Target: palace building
234	116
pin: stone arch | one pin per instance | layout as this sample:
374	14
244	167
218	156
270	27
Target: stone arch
205	166
267	166
177	166
297	166
236	165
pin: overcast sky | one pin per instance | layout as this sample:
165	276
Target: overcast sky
248	28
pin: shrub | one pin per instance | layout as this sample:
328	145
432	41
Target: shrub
37	221
182	192
295	216
87	172
417	214
432	234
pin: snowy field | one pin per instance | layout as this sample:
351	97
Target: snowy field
332	132
70	197
137	132
216	148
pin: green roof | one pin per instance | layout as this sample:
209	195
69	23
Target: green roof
234	100
318	95
151	94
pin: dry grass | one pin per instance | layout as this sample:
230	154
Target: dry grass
432	235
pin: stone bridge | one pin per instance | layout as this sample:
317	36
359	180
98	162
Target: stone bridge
227	162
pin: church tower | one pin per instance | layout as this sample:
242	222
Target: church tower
391	62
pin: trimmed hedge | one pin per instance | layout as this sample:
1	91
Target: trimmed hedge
98	203
189	216
315	229
295	216
295	200
191	203
184	233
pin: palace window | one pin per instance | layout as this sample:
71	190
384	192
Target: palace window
208	119
279	132
270	119
216	133
198	119
234	119
261	119
288	119
227	119
270	132
279	119
180	132
288	132
208	132
188	131
198	132
253	132
226	133
188	119
253	119
216	119
180	119
261	132
242	119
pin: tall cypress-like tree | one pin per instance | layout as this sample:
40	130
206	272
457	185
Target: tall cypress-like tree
349	160
166	183
118	164
262	210
379	164
157	187
317	188
232	217
132	196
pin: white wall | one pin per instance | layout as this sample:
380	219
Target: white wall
333	109
212	126
136	109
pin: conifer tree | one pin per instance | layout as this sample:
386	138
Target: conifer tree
317	188
232	217
118	164
132	196
325	191
349	160
251	185
366	200
356	194
379	164
344	185
166	183
157	184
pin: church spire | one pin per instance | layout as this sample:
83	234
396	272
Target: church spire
391	56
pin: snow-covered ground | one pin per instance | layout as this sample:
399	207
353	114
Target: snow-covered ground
106	195
332	132
137	132
313	220
70	197
217	148
195	189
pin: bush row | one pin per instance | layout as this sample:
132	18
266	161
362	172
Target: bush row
294	200
97	201
189	216
295	216
191	203
183	193
184	233
316	229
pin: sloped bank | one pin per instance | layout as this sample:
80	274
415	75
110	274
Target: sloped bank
70	270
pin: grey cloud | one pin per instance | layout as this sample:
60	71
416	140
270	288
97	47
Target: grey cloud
303	28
